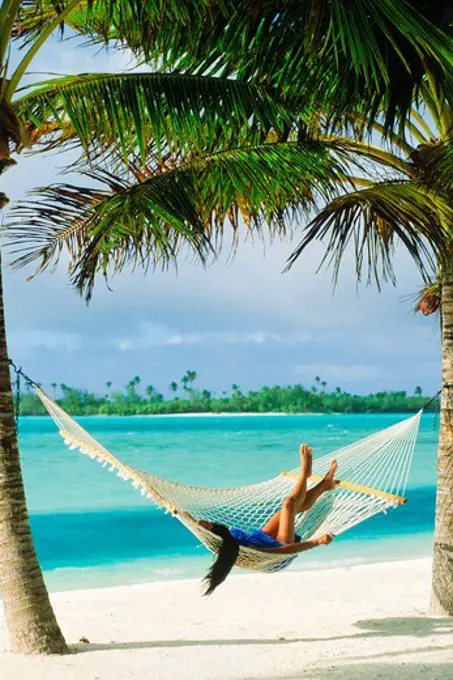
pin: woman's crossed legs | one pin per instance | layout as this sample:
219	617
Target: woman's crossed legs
281	526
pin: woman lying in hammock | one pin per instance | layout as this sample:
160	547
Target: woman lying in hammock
278	535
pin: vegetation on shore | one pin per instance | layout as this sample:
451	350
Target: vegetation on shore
188	398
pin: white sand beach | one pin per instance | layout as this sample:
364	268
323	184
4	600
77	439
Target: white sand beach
358	623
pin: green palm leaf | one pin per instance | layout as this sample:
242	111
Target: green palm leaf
88	16
106	19
177	112
147	223
114	222
366	54
372	221
33	17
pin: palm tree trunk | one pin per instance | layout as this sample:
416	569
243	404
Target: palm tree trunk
442	577
28	612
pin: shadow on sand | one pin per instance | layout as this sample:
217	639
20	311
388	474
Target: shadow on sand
373	671
417	626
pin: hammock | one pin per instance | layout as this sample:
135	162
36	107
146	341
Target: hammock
373	471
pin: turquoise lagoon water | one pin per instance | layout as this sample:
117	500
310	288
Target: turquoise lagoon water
93	529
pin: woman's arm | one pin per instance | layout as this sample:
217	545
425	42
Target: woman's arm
201	522
293	548
289	549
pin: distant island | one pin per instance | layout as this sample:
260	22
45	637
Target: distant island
186	397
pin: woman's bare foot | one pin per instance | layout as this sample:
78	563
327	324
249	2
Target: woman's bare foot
329	479
306	460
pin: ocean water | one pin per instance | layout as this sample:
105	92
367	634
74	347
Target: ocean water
92	529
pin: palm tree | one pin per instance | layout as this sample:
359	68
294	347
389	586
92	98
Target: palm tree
406	199
173	387
177	156
108	386
126	115
418	391
236	390
187	380
191	377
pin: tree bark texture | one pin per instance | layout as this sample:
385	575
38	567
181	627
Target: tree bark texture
29	615
442	575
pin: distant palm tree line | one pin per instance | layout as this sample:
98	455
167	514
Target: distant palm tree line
188	398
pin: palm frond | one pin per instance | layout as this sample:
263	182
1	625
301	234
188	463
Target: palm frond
90	16
108	19
33	17
109	227
178	112
367	53
433	163
147	223
373	221
373	153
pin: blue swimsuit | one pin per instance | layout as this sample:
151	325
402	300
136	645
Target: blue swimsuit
259	539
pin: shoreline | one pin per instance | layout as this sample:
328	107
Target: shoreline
316	566
202	414
235	414
251	575
224	414
242	574
366	621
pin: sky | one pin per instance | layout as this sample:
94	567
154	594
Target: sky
241	321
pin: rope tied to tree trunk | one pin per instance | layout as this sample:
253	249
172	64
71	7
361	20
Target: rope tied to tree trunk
430	401
19	374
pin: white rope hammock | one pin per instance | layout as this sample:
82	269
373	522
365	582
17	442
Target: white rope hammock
374	473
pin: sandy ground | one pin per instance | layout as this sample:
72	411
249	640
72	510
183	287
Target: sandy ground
358	623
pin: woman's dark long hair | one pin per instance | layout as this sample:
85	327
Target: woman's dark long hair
226	558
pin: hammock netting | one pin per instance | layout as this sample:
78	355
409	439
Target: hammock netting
373	473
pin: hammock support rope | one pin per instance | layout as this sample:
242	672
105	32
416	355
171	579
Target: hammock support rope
374	473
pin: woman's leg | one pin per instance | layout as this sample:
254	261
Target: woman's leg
327	484
281	525
283	520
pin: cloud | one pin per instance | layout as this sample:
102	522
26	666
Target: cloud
30	340
149	336
343	373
